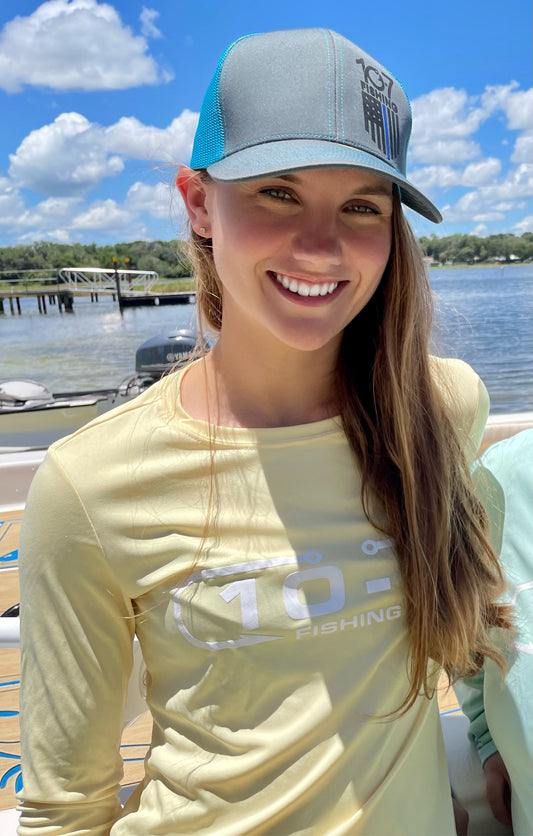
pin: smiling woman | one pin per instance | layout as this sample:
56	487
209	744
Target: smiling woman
319	239
288	524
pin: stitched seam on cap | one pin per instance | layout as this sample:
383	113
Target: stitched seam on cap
341	68
325	33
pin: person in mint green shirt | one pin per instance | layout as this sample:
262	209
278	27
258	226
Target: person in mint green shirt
501	713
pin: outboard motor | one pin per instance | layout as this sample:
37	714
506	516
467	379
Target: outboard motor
165	351
159	355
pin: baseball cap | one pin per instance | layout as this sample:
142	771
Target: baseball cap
304	98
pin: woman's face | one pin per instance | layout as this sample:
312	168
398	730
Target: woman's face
298	255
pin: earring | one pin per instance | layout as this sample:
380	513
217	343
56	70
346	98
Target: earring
202	230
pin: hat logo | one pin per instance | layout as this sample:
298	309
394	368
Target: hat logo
380	112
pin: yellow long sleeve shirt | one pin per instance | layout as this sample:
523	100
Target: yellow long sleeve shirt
272	639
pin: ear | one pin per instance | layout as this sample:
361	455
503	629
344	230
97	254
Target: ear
193	192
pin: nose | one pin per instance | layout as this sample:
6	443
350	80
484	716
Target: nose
317	241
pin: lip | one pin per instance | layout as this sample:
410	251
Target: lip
307	301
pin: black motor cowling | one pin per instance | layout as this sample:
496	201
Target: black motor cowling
166	351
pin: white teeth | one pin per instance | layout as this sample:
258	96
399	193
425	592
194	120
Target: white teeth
304	289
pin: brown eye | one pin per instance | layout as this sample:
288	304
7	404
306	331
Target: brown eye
362	209
277	194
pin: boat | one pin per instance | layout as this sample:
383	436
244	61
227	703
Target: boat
31	416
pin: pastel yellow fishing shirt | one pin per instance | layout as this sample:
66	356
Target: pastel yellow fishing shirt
273	636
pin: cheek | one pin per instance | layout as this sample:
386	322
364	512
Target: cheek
376	249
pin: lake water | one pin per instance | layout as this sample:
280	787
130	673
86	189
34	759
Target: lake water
484	316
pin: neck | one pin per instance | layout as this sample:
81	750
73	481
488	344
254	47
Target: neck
267	386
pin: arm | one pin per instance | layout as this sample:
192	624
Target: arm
76	638
470	692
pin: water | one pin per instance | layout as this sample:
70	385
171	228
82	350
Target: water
484	317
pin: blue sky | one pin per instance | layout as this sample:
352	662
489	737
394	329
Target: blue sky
99	101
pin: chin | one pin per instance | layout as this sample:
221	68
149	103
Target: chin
308	340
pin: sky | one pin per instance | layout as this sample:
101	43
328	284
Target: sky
99	103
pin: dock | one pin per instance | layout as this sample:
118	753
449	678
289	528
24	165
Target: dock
64	299
179	297
130	288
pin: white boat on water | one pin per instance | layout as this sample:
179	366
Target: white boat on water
31	416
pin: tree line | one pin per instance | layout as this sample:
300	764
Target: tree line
469	249
169	259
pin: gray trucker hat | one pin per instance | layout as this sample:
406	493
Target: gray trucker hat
304	98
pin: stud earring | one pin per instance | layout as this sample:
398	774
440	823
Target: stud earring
202	230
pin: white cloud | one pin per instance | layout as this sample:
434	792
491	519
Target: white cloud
523	149
64	158
161	201
519	110
102	214
443	177
432	177
148	27
525	225
156	200
11	202
61	235
71	155
49	213
516	104
72	44
445	112
443	121
496	96
517	184
492	202
131	138
482	172
445	151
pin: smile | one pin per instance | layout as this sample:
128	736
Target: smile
304	288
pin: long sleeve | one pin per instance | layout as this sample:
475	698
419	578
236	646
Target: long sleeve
469	692
76	637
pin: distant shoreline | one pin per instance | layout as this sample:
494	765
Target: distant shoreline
501	264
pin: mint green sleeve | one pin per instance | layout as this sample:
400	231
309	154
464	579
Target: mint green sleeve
76	640
469	693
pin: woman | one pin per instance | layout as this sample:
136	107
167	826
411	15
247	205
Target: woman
288	525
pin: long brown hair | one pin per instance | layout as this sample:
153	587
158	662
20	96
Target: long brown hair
416	482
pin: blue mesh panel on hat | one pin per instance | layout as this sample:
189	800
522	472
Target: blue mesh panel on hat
209	139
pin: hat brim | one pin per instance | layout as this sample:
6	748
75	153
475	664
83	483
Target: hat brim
283	156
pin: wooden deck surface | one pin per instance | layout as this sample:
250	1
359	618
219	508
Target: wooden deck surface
136	738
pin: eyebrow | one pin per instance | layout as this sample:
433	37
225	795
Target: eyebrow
369	189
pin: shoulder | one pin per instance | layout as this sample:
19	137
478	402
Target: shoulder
123	436
145	410
465	395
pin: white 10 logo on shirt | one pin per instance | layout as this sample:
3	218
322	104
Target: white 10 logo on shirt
237	609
